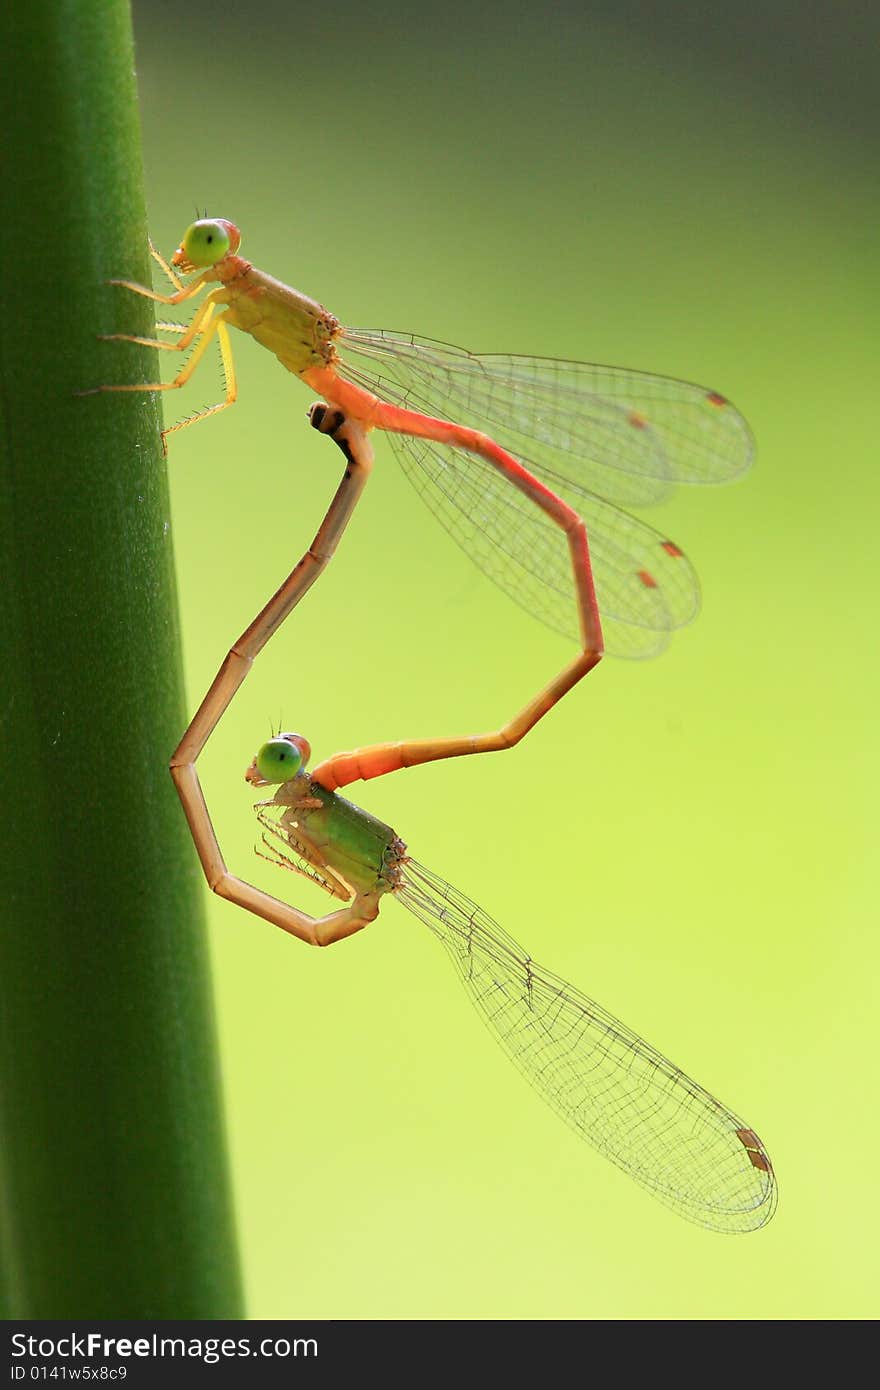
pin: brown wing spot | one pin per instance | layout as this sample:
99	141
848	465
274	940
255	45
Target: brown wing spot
714	399
753	1147
638	420
672	549
647	579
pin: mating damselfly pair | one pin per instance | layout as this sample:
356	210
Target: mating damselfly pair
532	465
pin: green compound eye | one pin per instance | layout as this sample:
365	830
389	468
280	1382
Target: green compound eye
207	242
279	760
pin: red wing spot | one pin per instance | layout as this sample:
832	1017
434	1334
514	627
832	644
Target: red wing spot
752	1145
647	579
638	420
672	549
714	399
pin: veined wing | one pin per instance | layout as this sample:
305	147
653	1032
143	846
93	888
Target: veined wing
628	436
608	1084
645	586
601	437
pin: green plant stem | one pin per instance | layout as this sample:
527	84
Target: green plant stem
114	1196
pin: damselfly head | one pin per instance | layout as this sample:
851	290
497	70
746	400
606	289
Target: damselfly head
205	243
279	760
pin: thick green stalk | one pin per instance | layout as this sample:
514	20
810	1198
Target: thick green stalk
114	1195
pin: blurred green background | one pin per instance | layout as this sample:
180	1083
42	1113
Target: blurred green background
687	190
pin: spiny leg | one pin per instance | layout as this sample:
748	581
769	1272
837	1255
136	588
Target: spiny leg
200	323
352	439
230	383
144	342
182	292
314	869
147	292
168	271
210	327
203	326
166	326
275	834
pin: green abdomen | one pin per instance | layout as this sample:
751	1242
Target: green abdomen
364	850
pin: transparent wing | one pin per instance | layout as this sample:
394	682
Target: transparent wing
613	1088
626	435
645	586
603	438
